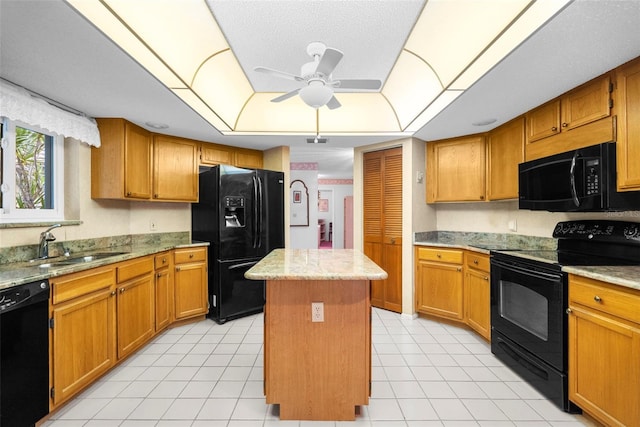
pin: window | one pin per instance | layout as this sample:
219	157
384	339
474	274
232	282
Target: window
32	174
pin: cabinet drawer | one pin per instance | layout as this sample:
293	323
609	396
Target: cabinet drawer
605	297
134	268
162	260
190	255
442	255
477	261
65	288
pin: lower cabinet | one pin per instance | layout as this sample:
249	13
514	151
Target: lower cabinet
102	315
83	325
454	284
164	290
439	285
135	305
477	293
604	350
190	282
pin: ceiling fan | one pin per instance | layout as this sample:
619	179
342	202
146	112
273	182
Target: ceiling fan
319	84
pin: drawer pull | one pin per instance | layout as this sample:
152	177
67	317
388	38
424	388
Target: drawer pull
475	261
597	299
190	256
439	256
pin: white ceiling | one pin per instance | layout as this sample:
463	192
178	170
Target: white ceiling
48	48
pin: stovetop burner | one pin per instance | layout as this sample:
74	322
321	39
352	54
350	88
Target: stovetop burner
591	243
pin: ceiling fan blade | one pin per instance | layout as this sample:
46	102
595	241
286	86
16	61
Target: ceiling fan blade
333	103
330	58
278	73
286	96
357	84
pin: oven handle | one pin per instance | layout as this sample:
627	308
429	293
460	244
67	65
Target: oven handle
531	273
572	173
242	265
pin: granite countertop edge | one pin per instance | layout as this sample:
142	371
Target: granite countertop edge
21	273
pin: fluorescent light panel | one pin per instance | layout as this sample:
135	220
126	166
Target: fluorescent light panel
452	45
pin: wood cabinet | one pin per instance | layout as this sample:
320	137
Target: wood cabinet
505	150
216	154
477	293
382	218
456	169
163	264
579	118
134	164
121	167
190	282
250	159
628	108
175	169
439	282
604	349
83	333
135	304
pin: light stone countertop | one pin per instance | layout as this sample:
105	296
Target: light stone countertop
316	264
24	272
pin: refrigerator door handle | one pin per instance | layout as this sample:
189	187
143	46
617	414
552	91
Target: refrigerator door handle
242	265
255	211
259	216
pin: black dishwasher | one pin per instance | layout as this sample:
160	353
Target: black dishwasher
24	351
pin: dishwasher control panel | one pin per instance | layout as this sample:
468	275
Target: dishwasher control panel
16	295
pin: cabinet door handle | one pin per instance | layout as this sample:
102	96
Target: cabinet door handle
122	290
486	278
459	269
564	125
128	193
177	268
568	311
113	293
554	129
597	298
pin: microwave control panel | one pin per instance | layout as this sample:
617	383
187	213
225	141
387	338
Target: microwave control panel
592	176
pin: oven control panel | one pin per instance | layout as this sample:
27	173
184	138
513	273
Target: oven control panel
599	230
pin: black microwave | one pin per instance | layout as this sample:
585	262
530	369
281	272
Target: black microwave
582	180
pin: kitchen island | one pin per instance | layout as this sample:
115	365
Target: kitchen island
317	331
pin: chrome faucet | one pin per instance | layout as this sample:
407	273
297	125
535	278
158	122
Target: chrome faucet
46	237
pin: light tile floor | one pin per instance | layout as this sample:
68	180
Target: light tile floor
425	373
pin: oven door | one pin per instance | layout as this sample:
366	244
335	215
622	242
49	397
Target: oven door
528	304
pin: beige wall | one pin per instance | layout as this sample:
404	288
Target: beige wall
100	218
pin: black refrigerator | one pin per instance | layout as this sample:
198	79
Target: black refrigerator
241	215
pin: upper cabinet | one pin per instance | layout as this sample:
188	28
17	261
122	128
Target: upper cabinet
215	154
134	164
456	169
175	169
628	109
579	118
505	150
121	167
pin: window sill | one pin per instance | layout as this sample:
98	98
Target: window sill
37	224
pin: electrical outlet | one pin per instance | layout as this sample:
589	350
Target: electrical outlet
153	225
317	312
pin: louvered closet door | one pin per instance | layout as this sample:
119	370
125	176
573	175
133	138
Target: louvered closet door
382	221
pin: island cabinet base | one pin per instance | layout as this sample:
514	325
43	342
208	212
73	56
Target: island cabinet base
317	370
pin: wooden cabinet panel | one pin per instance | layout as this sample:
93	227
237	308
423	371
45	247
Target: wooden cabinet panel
456	169
586	104
477	293
250	159
628	143
603	352
382	219
83	337
121	167
214	154
505	150
135	313
163	290
543	121
175	171
440	255
190	283
440	289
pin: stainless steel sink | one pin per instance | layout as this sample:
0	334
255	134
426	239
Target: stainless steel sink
79	259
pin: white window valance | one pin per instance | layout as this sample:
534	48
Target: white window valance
18	104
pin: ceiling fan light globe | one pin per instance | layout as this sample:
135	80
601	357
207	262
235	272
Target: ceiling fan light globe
316	95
